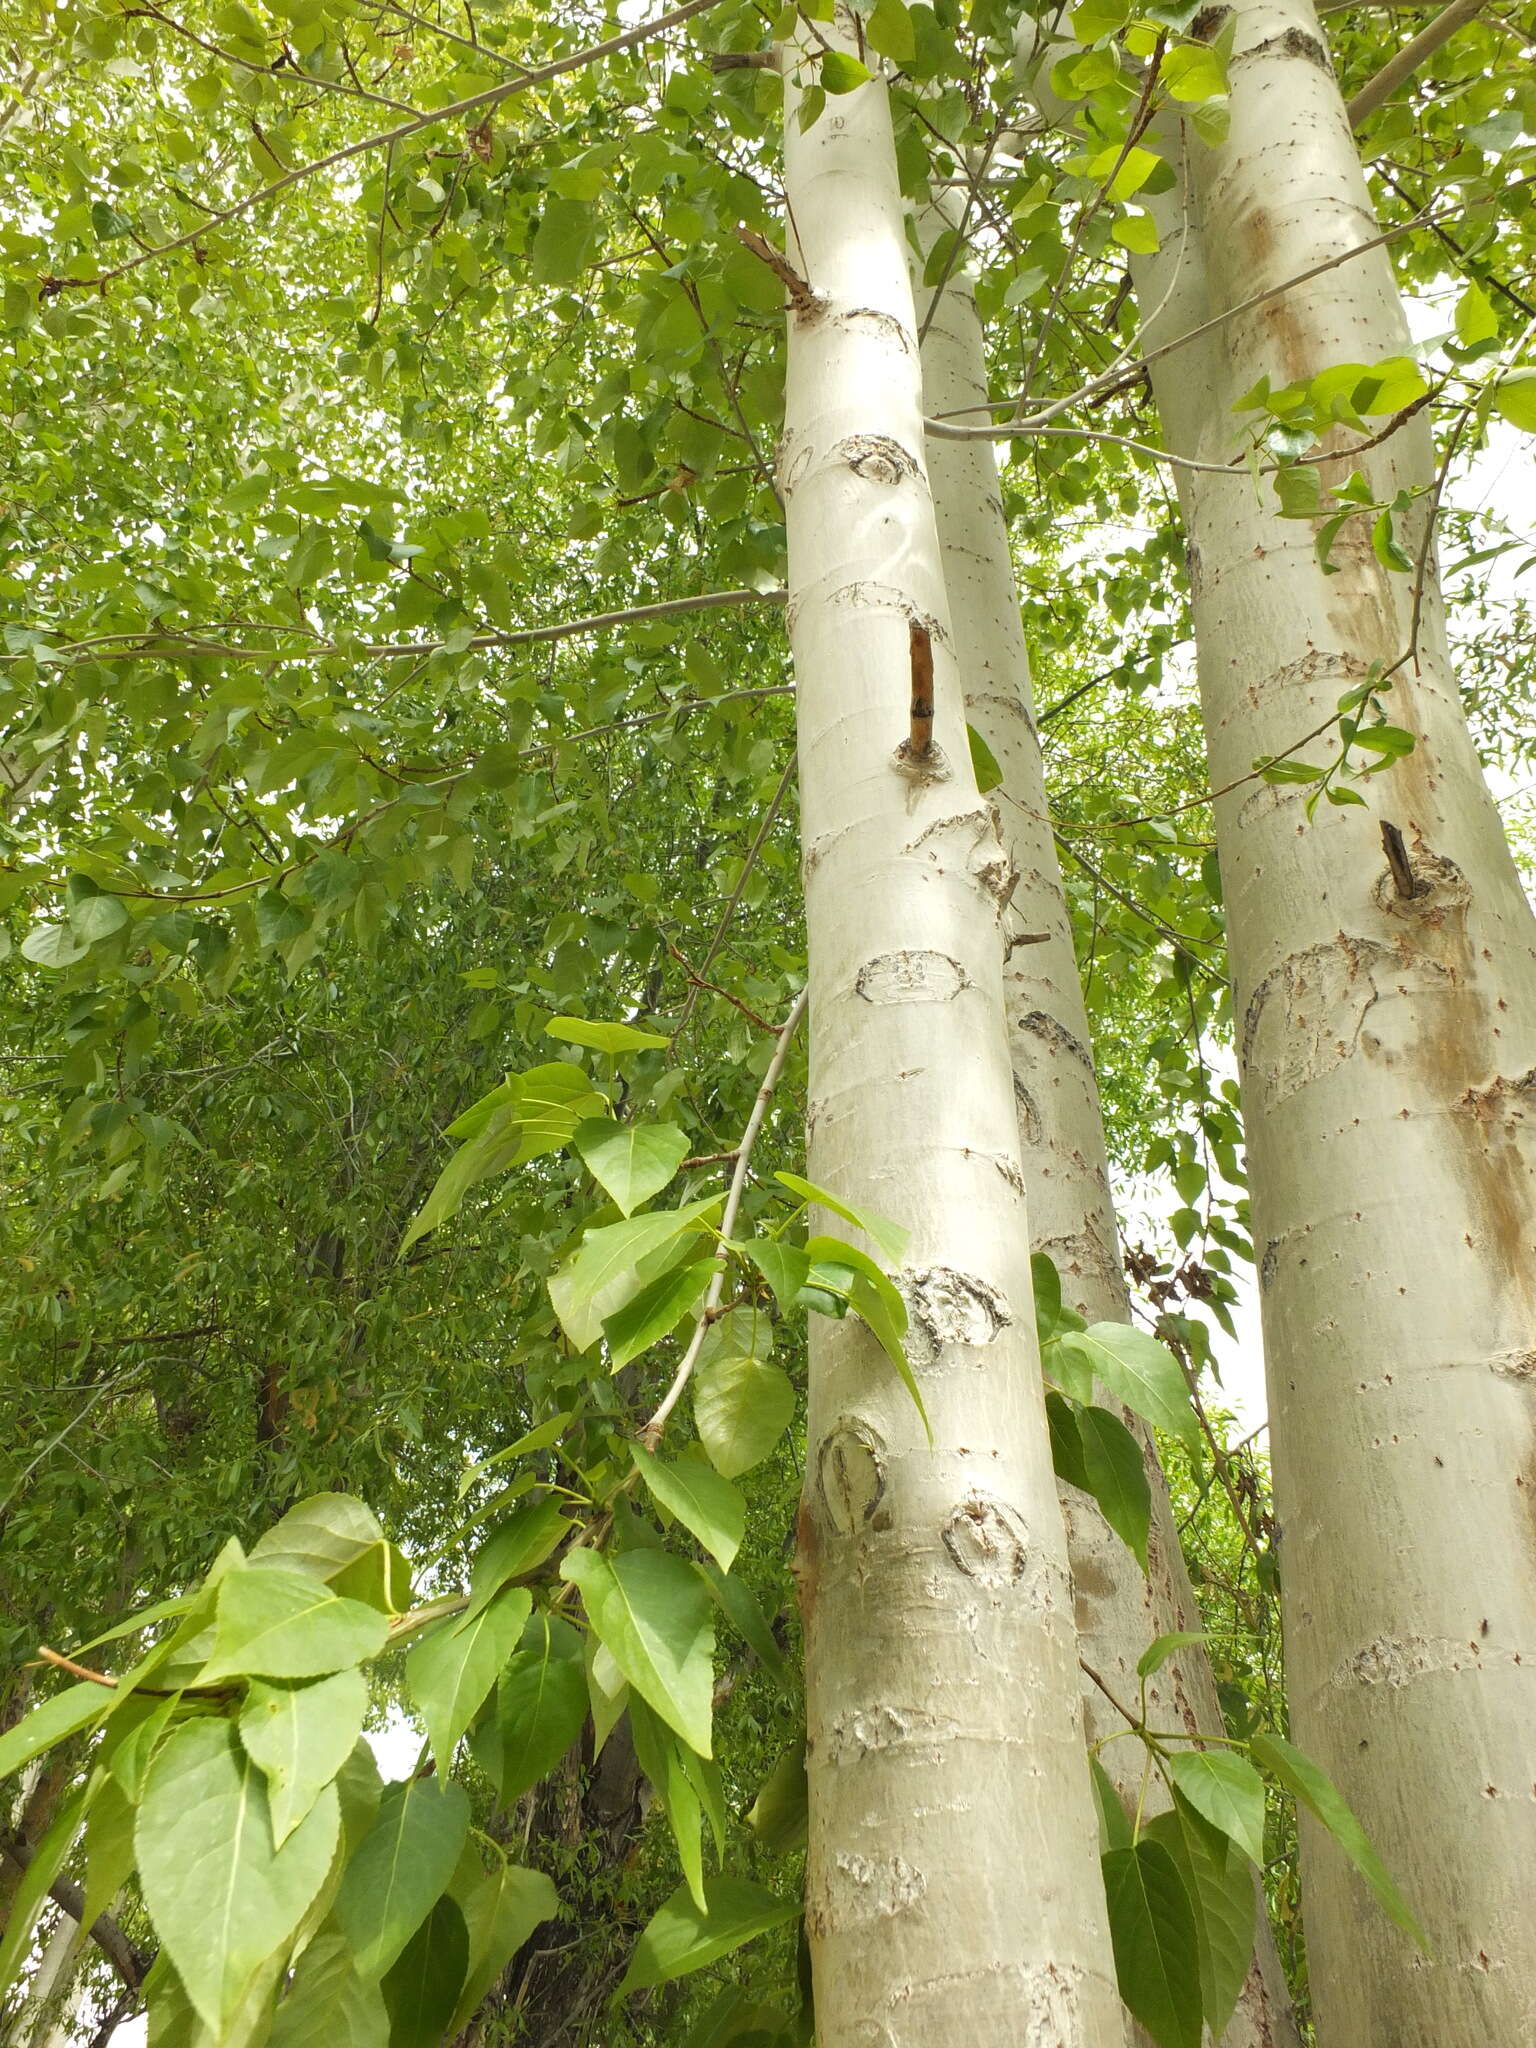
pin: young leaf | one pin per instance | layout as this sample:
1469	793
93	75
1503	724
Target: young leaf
500	1912
537	1439
1157	1951
876	1301
401	1869
300	1736
841	73
1514	397
31	1893
786	1267
777	1816
457	1661
1317	1791
738	1603
1227	1791
1117	1477
280	1624
631	1161
654	1616
680	1938
703	1500
890	1237
611	1038
537	1713
1139	1371
741	1407
224	1898
983	762
1114	1821
1161	1648
422	1988
322	1536
889	32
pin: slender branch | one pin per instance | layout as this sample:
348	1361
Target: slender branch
1376	91
130	1962
736	895
942	432
650	1436
390	650
75	1670
476	102
1128	373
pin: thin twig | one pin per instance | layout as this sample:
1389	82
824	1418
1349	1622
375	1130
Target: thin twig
736	894
650	1436
1376	91
492	96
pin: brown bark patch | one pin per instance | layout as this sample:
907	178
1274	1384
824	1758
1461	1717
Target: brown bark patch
1056	1037
955	1308
877	458
850	1472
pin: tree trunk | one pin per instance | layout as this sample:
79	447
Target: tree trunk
953	1890
1061	1133
1386	1021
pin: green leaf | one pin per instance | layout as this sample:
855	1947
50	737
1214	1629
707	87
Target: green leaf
492	1151
739	1604
457	1661
500	1912
1157	1951
1192	72
1514	397
1136	232
98	917
563	243
224	1898
1139	1371
1227	1791
31	1893
679	1938
516	1548
600	1276
777	1816
874	1298
741	1406
1385	546
888	31
328	2004
66	1713
1052	1316
538	1439
538	1712
703	1500
1066	1440
421	1990
1300	492
300	1736
401	1869
983	762
631	1161
1117	1477
1318	1793
841	73
1161	1648
1221	1891
53	945
785	1267
282	1624
611	1038
109	1850
1476	321
655	1311
1114	1822
654	1616
890	1237
324	1536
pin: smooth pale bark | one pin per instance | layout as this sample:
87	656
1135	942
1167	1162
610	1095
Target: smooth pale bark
1387	1045
953	1893
1119	1611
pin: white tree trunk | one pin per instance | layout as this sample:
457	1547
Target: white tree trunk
1061	1132
953	1890
1388	1050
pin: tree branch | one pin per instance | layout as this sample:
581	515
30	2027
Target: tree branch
650	1436
1376	91
130	1962
476	102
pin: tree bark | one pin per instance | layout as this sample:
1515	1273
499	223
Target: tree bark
1060	1125
953	1890
1387	1044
